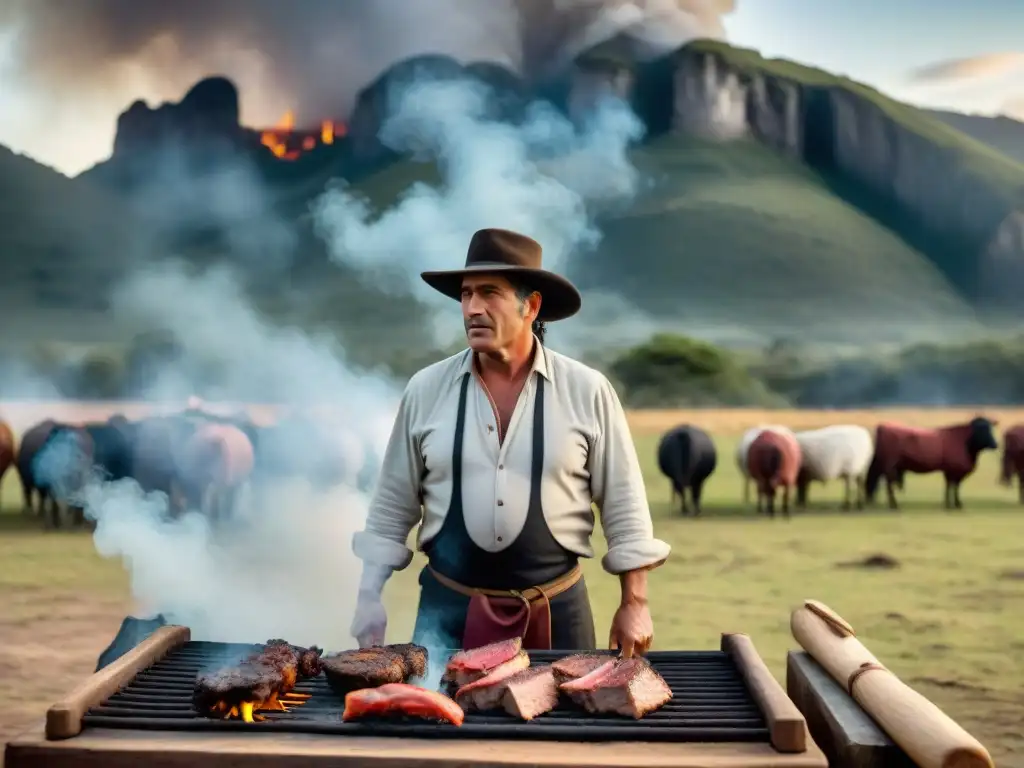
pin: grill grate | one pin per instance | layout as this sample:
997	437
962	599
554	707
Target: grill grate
711	703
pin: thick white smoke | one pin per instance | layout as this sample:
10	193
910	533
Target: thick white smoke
284	567
546	177
70	67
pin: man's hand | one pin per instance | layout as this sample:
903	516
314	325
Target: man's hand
632	628
370	621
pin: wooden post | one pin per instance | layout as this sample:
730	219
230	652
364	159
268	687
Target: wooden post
925	732
786	726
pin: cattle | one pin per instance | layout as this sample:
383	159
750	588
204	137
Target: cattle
687	457
158	449
7	446
744	445
55	461
951	450
112	443
1012	465
216	463
773	462
841	451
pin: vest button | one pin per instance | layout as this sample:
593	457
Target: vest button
501	503
499	538
501	466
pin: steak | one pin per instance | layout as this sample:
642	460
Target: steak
415	657
233	685
465	667
530	693
486	693
627	687
364	668
576	666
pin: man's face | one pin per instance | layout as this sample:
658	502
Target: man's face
493	314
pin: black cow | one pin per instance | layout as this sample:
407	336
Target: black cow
687	457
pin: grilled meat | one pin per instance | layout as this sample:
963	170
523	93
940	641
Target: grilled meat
415	656
468	666
486	693
627	687
364	668
230	686
530	693
577	665
401	699
310	663
262	677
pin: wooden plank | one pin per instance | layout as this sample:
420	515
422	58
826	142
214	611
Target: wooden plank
64	719
108	748
844	731
786	725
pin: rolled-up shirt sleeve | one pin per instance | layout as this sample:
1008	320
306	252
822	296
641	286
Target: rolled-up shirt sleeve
617	487
395	508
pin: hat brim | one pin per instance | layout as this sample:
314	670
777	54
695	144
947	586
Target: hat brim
559	298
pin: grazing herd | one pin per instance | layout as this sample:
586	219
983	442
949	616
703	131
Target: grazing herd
199	460
782	463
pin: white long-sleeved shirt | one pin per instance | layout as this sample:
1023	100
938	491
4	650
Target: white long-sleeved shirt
589	458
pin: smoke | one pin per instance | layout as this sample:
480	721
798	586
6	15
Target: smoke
545	177
311	56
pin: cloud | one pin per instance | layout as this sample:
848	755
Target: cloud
970	68
1014	108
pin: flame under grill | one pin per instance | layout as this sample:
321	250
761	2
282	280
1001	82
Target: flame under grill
711	703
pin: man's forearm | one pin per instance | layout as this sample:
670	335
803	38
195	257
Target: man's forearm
374	577
634	586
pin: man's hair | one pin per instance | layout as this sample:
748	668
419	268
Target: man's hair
523	291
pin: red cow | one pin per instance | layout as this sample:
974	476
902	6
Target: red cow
773	462
1013	458
951	450
6	448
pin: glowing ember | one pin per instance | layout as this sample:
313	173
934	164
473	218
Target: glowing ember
287	143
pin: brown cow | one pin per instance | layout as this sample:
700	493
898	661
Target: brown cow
6	449
218	459
1013	459
951	450
55	461
773	462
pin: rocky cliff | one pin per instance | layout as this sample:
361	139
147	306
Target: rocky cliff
952	197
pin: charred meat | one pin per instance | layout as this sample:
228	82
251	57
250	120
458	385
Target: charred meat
259	682
374	666
577	665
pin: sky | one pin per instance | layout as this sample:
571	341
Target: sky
967	57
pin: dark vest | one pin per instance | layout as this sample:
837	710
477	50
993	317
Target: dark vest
533	558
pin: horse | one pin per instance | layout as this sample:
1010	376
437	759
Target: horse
951	450
687	457
218	459
839	451
773	462
55	461
744	445
1013	459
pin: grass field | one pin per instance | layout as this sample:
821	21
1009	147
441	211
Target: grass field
948	618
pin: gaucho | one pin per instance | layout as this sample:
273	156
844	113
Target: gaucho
499	453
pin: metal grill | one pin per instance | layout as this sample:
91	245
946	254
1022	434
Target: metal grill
710	703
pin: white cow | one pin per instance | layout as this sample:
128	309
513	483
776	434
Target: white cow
840	451
744	445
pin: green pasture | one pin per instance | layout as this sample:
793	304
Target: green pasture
946	614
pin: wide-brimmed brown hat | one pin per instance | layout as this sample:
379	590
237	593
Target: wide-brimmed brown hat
515	256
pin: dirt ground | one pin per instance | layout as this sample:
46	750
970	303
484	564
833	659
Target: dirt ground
949	619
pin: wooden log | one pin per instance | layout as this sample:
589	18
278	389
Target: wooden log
787	728
925	732
846	734
64	719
